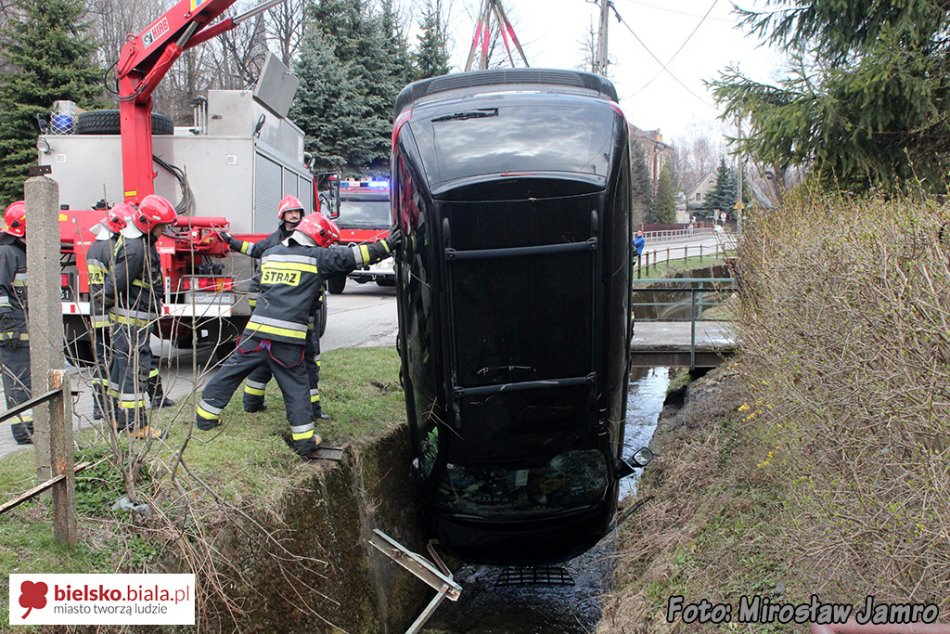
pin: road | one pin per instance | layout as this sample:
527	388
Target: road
364	315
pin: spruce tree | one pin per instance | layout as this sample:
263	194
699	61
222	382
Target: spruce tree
373	55
865	102
724	194
640	183
665	205
431	55
328	106
49	54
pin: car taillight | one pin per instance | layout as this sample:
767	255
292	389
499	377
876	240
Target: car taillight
65	280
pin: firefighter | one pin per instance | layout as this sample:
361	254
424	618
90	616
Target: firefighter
133	291
14	335
98	260
276	334
290	212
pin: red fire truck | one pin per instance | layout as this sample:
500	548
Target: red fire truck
241	156
363	215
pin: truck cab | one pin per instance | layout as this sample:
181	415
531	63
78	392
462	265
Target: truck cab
363	216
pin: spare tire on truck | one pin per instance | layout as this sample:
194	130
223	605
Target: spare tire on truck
107	122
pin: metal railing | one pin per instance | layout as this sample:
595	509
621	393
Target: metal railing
665	235
669	299
653	260
62	479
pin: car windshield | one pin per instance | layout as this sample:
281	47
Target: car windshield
362	212
572	137
568	481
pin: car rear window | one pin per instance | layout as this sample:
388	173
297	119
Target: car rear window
471	141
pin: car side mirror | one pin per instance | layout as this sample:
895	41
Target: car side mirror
640	458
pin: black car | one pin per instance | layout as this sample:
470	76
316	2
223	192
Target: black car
512	188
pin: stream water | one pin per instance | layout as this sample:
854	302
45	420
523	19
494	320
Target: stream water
486	609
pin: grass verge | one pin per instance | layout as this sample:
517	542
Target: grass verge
245	465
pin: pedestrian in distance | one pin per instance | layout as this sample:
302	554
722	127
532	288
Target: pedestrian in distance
291	276
14	329
98	260
290	212
133	291
639	242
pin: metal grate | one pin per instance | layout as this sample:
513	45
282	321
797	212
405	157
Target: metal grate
535	576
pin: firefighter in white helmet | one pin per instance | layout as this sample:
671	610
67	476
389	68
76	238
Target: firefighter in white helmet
14	334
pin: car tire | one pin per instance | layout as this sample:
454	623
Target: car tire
336	284
108	122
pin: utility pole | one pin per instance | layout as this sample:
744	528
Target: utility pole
601	64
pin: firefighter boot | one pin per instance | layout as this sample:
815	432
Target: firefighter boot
253	403
318	413
156	392
146	432
305	448
22	433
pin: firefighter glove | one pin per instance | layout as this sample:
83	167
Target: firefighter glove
225	236
379	250
394	239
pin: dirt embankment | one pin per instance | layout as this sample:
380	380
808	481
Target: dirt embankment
704	503
815	466
330	578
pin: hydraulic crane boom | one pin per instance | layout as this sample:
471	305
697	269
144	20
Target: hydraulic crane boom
143	63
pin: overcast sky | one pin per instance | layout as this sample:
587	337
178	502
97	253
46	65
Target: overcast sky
552	33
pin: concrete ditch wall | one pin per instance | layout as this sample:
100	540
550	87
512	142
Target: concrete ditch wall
328	515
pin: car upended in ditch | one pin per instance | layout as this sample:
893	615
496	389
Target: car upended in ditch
512	189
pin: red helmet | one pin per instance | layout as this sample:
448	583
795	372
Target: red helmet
15	219
289	203
321	229
118	217
153	211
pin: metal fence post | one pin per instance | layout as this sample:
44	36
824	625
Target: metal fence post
692	330
41	194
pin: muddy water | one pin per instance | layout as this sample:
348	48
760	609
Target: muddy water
485	608
644	404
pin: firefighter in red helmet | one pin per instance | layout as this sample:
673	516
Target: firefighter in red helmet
133	291
290	212
98	259
291	276
14	334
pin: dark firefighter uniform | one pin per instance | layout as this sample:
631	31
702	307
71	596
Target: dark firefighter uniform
14	335
292	274
256	383
98	259
133	290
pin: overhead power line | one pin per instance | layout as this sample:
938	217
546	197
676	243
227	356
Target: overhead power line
682	46
657	59
669	10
